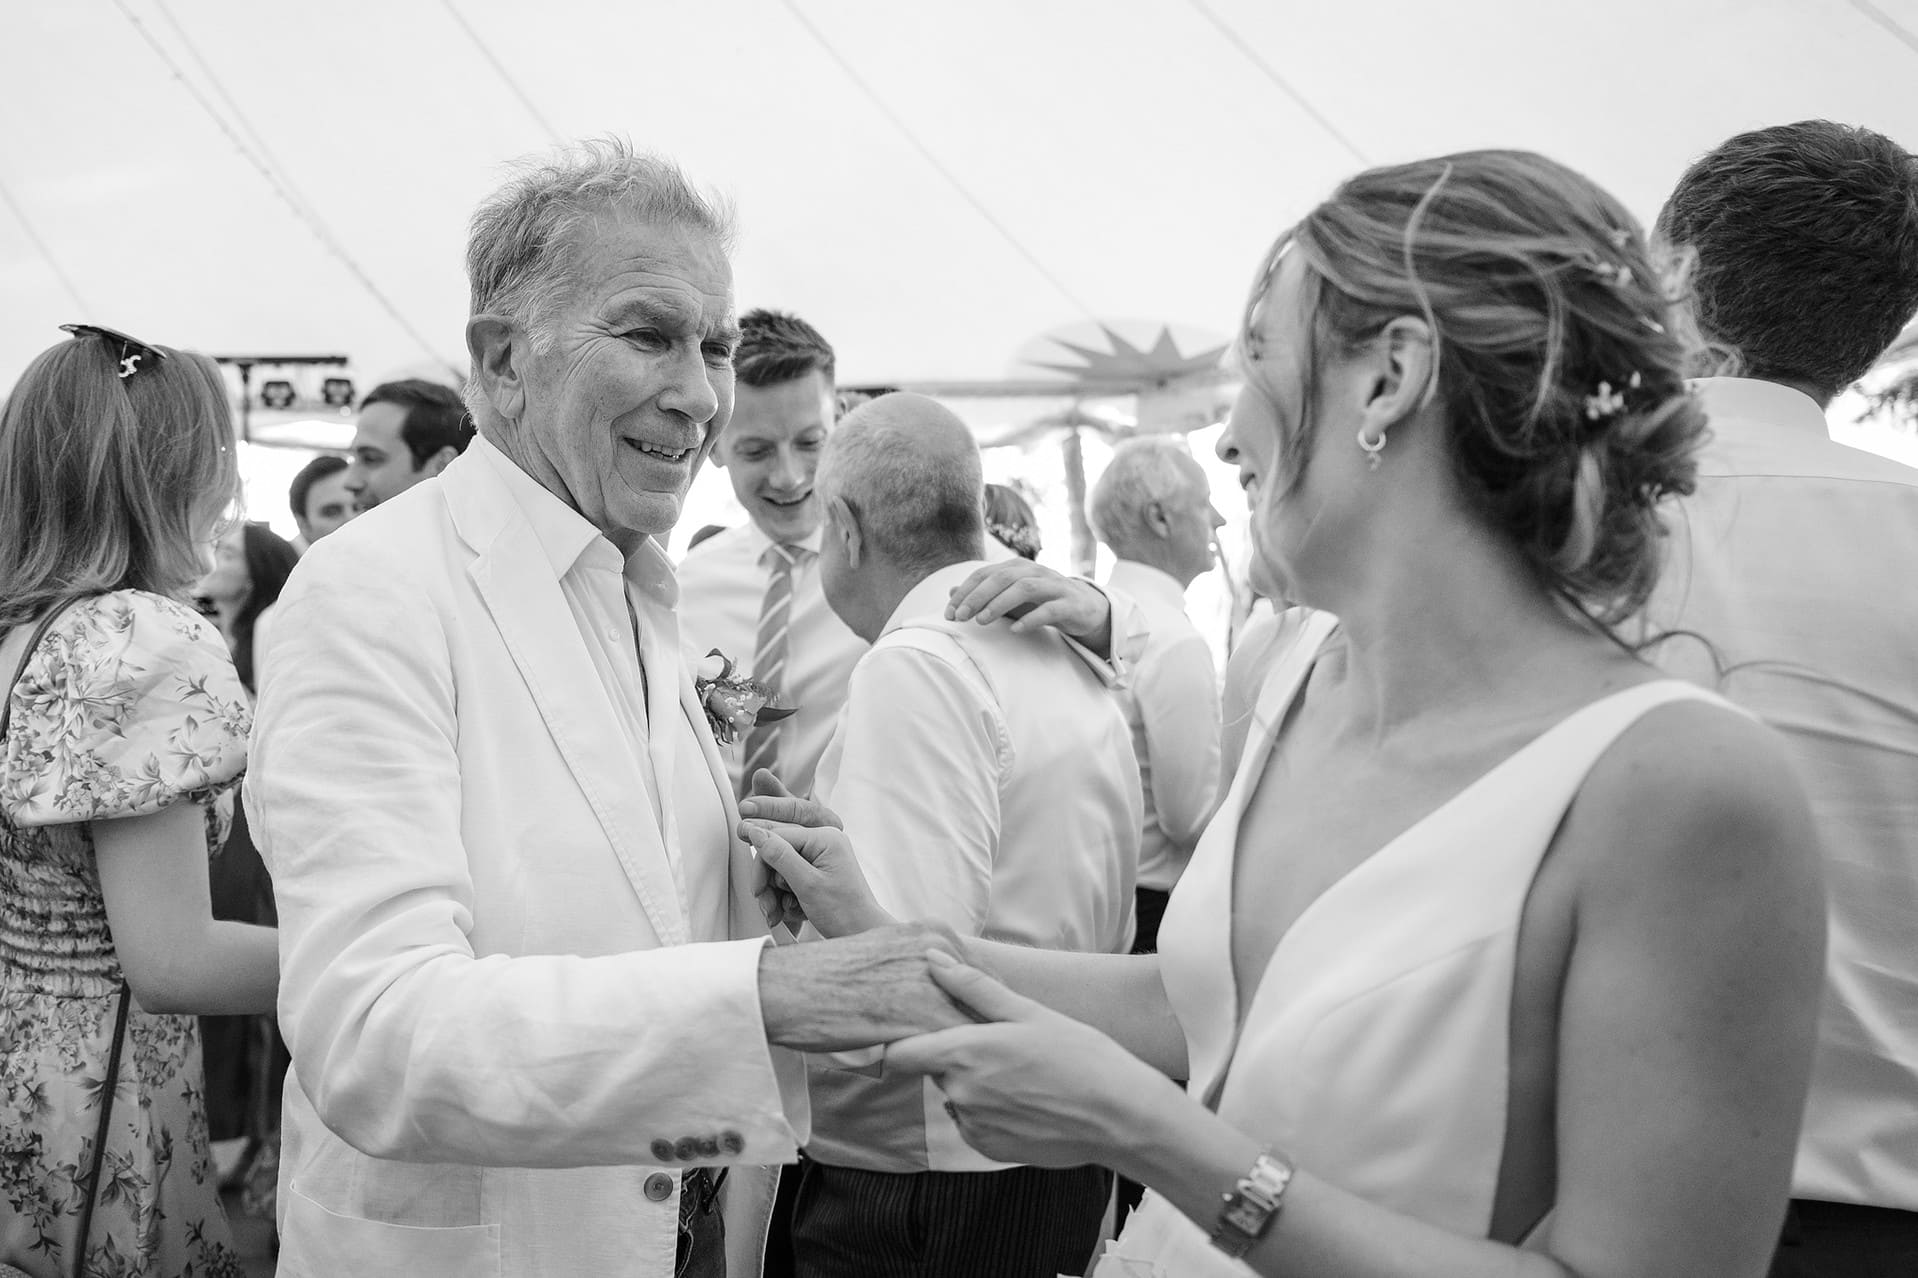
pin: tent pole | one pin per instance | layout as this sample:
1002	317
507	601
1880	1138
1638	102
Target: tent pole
1083	550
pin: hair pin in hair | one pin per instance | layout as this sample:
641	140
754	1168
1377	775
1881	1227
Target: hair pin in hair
132	351
1611	274
1606	403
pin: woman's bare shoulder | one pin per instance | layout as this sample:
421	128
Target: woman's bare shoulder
1695	800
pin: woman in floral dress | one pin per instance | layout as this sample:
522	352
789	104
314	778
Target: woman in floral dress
126	729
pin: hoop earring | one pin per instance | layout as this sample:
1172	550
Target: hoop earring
1372	448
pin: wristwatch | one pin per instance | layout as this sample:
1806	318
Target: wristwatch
1252	1205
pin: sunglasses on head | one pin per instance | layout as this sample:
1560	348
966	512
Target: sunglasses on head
132	352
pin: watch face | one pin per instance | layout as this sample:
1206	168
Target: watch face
1248	1218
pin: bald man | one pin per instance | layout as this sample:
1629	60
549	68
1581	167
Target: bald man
987	779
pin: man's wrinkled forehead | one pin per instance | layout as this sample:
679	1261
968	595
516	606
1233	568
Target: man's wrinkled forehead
612	253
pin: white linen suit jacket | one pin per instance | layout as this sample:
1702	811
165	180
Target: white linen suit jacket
500	1031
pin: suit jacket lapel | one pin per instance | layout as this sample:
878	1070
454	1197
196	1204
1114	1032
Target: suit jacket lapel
514	577
746	875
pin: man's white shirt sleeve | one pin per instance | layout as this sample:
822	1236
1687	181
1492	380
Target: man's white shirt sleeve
921	747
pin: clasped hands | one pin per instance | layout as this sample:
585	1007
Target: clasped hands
1025	1083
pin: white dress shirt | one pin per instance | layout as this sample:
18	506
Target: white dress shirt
1172	707
987	780
1796	558
722	584
611	597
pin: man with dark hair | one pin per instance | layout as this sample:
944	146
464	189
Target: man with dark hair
753	592
1789	559
408	431
320	499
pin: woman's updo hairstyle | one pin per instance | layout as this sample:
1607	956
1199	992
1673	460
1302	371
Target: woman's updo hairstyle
1561	358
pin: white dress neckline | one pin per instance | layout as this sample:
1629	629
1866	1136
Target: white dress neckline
1375	1049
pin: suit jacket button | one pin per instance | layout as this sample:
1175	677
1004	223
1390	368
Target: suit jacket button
708	1147
732	1142
659	1187
662	1151
686	1149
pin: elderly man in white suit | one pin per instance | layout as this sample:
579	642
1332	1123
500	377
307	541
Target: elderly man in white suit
526	976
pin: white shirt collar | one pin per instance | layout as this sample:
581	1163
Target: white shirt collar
1147	584
760	541
567	537
928	598
1746	399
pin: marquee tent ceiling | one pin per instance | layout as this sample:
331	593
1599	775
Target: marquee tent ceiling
933	184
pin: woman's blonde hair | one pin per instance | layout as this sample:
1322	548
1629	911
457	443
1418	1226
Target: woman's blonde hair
110	483
1561	353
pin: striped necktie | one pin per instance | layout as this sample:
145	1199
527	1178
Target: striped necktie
769	653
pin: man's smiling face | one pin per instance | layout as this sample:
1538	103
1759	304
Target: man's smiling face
771	453
638	379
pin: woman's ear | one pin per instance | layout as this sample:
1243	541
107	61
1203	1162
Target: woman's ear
1404	373
499	347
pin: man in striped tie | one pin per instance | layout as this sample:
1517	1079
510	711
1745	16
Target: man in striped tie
753	592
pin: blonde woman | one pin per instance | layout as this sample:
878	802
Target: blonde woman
125	727
1502	953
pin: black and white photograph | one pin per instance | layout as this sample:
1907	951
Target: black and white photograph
1013	639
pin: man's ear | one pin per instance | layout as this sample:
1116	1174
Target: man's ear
441	460
1155	520
499	349
1403	374
844	524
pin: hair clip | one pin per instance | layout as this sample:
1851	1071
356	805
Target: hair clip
1610	273
1621	238
1606	402
131	349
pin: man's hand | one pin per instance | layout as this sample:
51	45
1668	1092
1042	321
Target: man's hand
829	996
1032	596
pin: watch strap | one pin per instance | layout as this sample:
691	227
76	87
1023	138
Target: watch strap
1247	1210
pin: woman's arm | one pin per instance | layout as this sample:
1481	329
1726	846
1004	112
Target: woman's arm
1685	1035
176	956
1120	995
816	877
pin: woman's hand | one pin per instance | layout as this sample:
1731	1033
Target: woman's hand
1030	1085
812	874
1032	596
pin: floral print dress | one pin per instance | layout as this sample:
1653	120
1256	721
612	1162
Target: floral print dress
127	706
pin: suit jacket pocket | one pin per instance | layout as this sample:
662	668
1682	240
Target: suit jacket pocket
318	1243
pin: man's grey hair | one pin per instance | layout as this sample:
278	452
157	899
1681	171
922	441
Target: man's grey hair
909	468
521	250
1141	472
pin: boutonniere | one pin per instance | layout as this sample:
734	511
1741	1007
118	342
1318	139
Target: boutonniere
733	703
